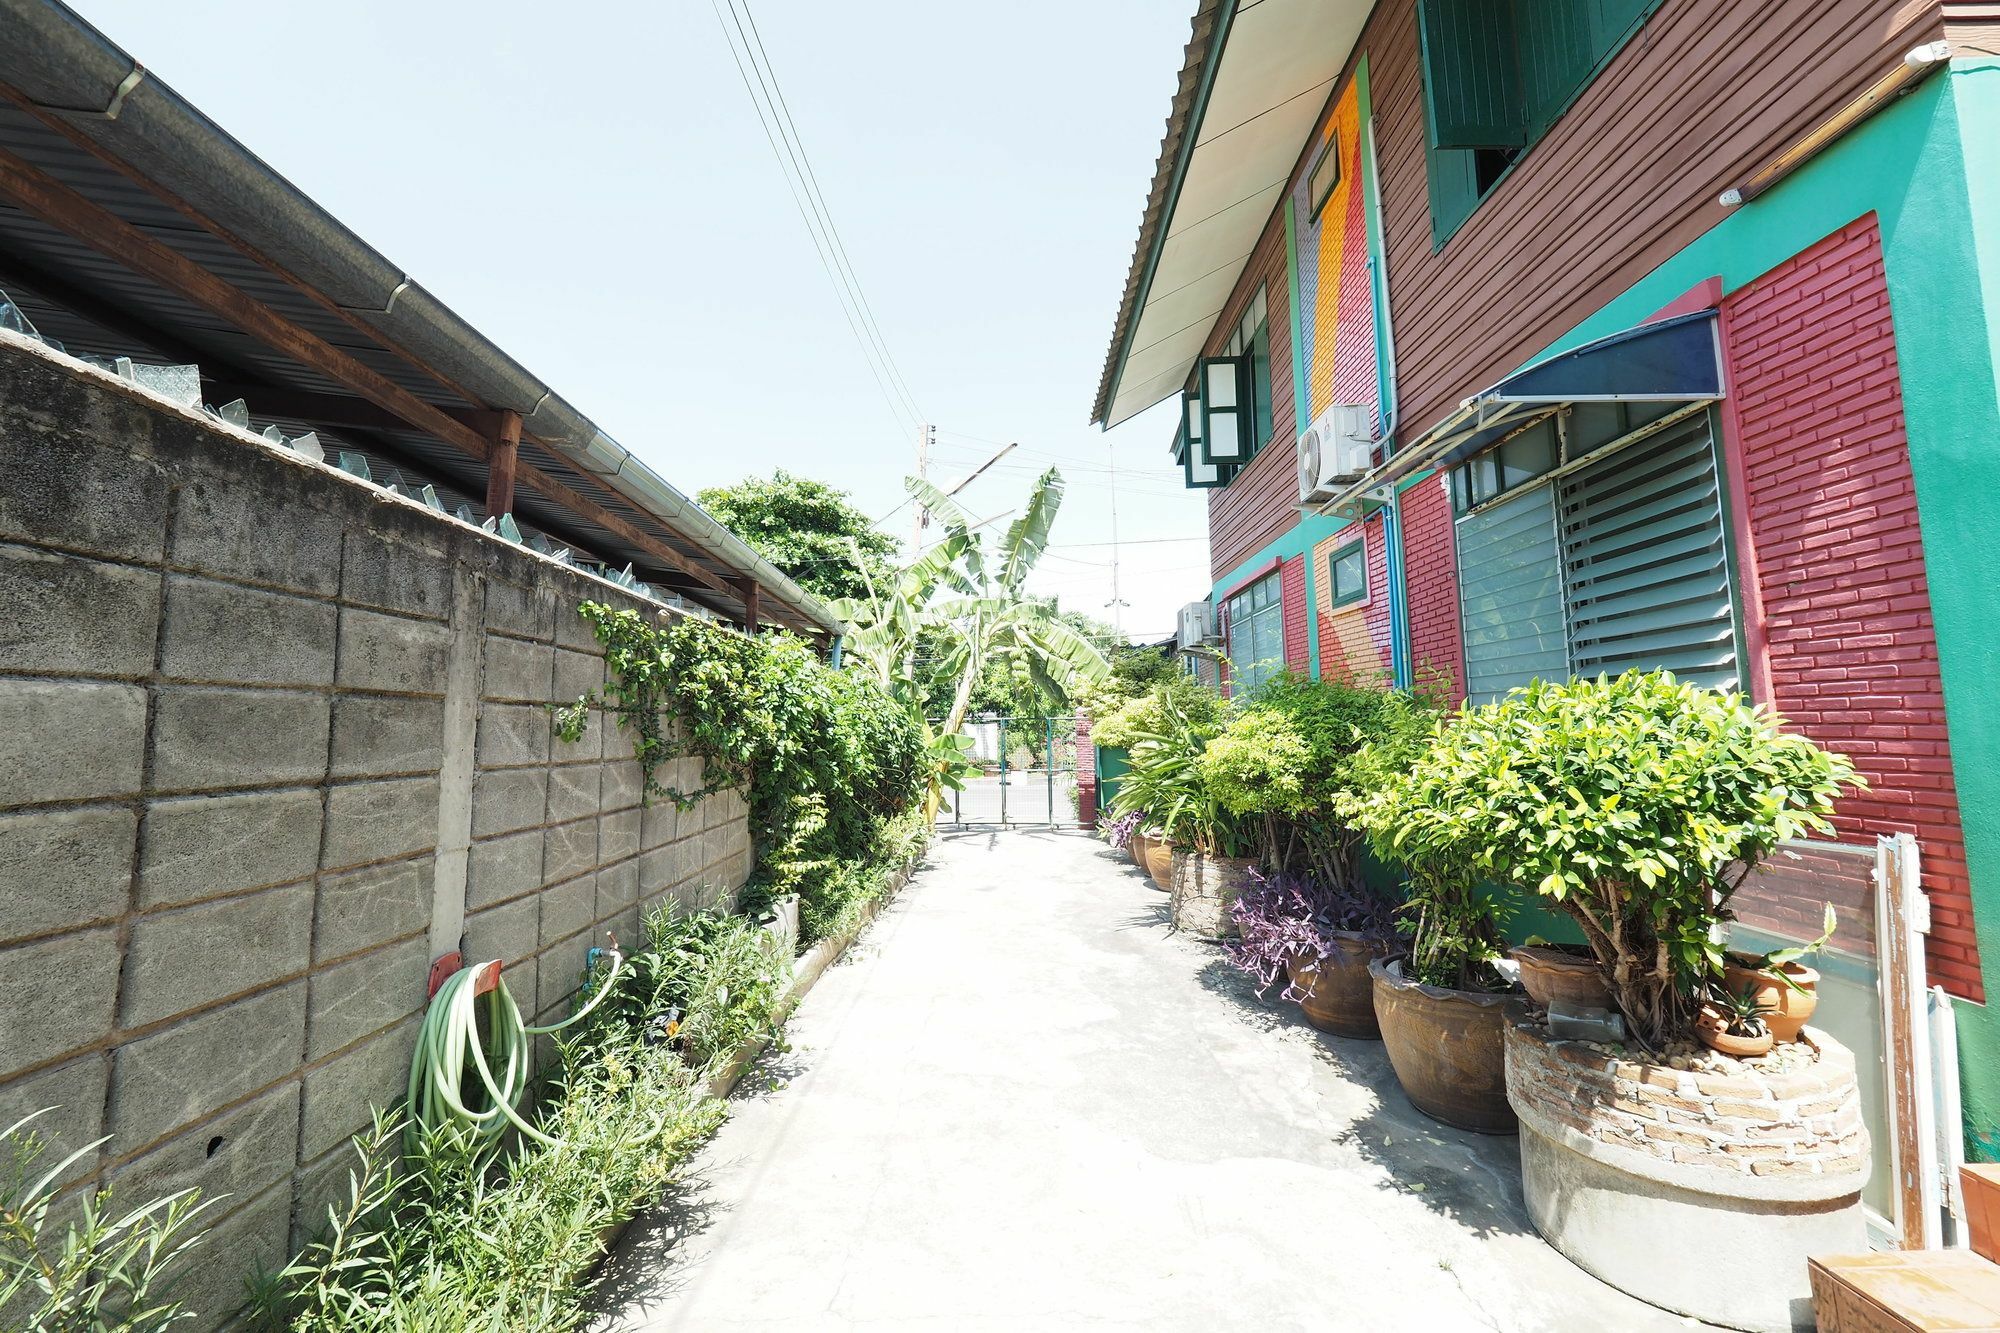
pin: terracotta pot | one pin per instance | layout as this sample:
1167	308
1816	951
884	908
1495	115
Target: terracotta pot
1555	974
1447	1047
1787	1008
1981	1187
1204	889
1712	1026
1160	863
1338	994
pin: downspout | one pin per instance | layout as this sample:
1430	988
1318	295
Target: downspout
1301	410
1385	385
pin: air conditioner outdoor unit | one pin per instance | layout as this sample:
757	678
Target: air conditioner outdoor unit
1335	452
1197	625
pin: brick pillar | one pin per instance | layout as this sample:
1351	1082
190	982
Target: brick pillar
1086	773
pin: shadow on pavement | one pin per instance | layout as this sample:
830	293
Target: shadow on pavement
1470	1179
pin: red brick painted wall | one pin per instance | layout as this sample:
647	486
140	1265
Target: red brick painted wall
1836	561
1430	585
1292	589
1354	639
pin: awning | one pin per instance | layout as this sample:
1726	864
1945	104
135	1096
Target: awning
1673	360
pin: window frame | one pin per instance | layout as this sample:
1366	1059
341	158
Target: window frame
1316	196
1441	164
1336	601
1240	617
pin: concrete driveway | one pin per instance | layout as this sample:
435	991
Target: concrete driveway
1022	1103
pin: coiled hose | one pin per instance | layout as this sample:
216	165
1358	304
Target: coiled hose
449	1039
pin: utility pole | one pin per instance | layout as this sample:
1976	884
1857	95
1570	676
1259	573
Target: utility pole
926	435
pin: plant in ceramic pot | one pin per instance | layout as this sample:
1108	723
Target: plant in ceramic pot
1442	1004
1318	939
1786	988
1213	846
1636	806
1735	1023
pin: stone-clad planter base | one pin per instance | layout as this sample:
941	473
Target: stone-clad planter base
1699	1191
1204	888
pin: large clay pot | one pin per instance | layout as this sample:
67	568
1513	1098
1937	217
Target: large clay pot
1160	863
1787	1008
1337	994
1204	889
1549	974
1446	1047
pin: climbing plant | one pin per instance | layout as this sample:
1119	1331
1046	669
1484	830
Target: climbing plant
825	758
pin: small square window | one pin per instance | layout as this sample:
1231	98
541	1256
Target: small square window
1347	574
1325	177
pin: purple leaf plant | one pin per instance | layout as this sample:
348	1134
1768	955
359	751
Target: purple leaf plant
1118	832
1284	915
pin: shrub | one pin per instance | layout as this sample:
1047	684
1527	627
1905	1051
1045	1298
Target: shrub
1145	714
105	1269
1636	805
1166	782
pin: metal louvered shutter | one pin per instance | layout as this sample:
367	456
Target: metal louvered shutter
1647	561
1510	595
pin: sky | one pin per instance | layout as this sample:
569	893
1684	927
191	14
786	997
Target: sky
589	186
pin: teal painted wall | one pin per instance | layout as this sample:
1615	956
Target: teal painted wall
1929	167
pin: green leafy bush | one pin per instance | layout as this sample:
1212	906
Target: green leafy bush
1636	805
825	756
1258	765
1167	783
1196	705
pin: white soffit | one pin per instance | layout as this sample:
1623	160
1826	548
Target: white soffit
1279	63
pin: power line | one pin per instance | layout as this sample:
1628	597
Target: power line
803	186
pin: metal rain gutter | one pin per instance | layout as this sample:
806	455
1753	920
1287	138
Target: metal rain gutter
68	68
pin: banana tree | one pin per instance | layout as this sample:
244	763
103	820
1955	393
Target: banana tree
967	606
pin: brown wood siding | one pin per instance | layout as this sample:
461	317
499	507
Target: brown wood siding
1261	504
1699	99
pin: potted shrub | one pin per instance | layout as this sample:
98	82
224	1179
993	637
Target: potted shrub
1318	939
1443	1004
1734	1023
1636	806
1207	850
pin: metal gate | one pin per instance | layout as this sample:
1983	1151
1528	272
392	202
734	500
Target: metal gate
1027	779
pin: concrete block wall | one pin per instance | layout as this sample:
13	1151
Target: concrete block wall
270	741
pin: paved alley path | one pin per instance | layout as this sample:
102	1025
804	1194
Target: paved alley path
1021	1103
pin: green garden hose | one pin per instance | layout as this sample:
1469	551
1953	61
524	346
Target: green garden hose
450	1037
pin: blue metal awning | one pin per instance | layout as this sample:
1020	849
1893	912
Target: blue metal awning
1673	360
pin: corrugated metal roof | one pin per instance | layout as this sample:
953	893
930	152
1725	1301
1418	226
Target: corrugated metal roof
219	207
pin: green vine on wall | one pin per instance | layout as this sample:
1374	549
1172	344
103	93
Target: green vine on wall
684	667
826	758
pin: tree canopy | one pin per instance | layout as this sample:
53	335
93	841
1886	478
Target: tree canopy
808	529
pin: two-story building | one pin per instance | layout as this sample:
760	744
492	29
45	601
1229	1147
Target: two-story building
1537	338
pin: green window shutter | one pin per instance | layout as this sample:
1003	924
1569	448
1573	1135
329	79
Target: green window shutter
1510	595
1227	412
1612	21
1648	563
1558	49
1472	84
1454	191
